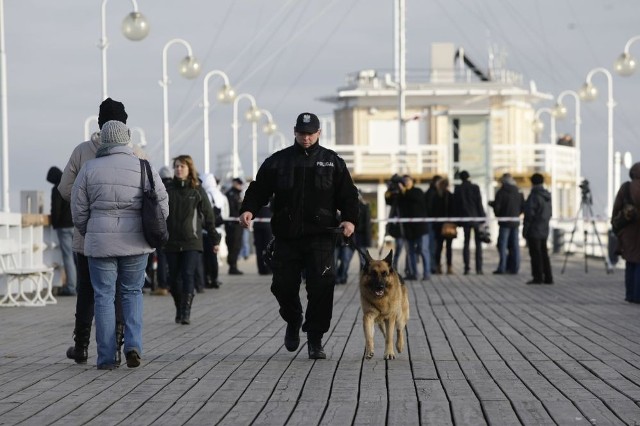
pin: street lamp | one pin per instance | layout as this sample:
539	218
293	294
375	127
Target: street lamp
253	115
141	134
226	94
560	112
87	126
625	65
281	144
189	68
589	92
269	129
538	127
134	27
4	117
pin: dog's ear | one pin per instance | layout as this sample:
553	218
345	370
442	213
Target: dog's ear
389	259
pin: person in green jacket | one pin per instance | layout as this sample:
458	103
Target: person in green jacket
189	213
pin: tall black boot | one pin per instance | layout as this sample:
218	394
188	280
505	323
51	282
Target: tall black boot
177	301
119	342
187	299
81	335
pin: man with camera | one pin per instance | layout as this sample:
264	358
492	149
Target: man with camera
410	203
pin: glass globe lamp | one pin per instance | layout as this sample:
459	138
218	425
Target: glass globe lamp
135	26
537	126
226	94
190	67
270	128
253	114
588	92
625	65
559	111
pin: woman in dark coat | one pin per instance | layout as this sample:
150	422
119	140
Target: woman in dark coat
189	212
629	236
442	206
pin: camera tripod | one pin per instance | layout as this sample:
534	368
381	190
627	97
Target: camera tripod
587	218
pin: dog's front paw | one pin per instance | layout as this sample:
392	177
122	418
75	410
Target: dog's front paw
368	355
389	355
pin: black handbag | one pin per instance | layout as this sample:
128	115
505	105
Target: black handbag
154	224
627	215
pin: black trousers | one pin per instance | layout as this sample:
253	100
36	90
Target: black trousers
261	238
467	227
540	263
85	300
233	238
315	256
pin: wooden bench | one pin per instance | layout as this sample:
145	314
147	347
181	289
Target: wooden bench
34	283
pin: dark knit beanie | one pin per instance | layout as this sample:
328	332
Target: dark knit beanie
111	110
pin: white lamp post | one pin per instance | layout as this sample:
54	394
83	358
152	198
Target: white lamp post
625	65
87	126
134	27
589	92
141	134
4	119
538	127
189	68
253	115
269	129
560	112
282	143
226	95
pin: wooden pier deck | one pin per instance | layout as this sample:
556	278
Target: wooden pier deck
481	349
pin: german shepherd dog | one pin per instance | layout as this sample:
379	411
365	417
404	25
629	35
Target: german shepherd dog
385	302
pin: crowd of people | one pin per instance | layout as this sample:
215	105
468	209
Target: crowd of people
309	218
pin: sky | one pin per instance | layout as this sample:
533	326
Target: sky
288	54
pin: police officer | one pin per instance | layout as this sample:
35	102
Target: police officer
309	183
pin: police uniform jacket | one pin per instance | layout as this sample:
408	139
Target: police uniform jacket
308	187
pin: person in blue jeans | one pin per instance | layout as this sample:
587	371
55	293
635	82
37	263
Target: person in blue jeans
508	203
412	204
63	224
106	208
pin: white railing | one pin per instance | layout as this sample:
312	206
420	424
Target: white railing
431	159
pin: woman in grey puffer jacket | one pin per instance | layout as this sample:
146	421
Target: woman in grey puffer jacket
106	206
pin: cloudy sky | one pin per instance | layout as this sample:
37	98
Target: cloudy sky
287	54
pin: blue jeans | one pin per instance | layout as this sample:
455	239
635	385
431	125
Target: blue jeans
508	250
129	272
632	282
345	254
65	238
419	247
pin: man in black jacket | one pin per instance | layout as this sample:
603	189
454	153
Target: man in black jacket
535	228
309	183
63	224
467	202
509	203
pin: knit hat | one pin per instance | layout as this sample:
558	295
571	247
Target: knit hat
165	172
111	110
115	133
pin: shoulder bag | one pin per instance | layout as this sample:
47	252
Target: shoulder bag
154	224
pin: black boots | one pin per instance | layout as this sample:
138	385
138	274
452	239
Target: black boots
178	302
119	342
187	299
292	336
81	335
314	345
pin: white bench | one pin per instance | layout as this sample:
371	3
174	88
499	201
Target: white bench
34	283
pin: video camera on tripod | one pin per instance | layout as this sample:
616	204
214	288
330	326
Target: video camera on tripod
586	192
